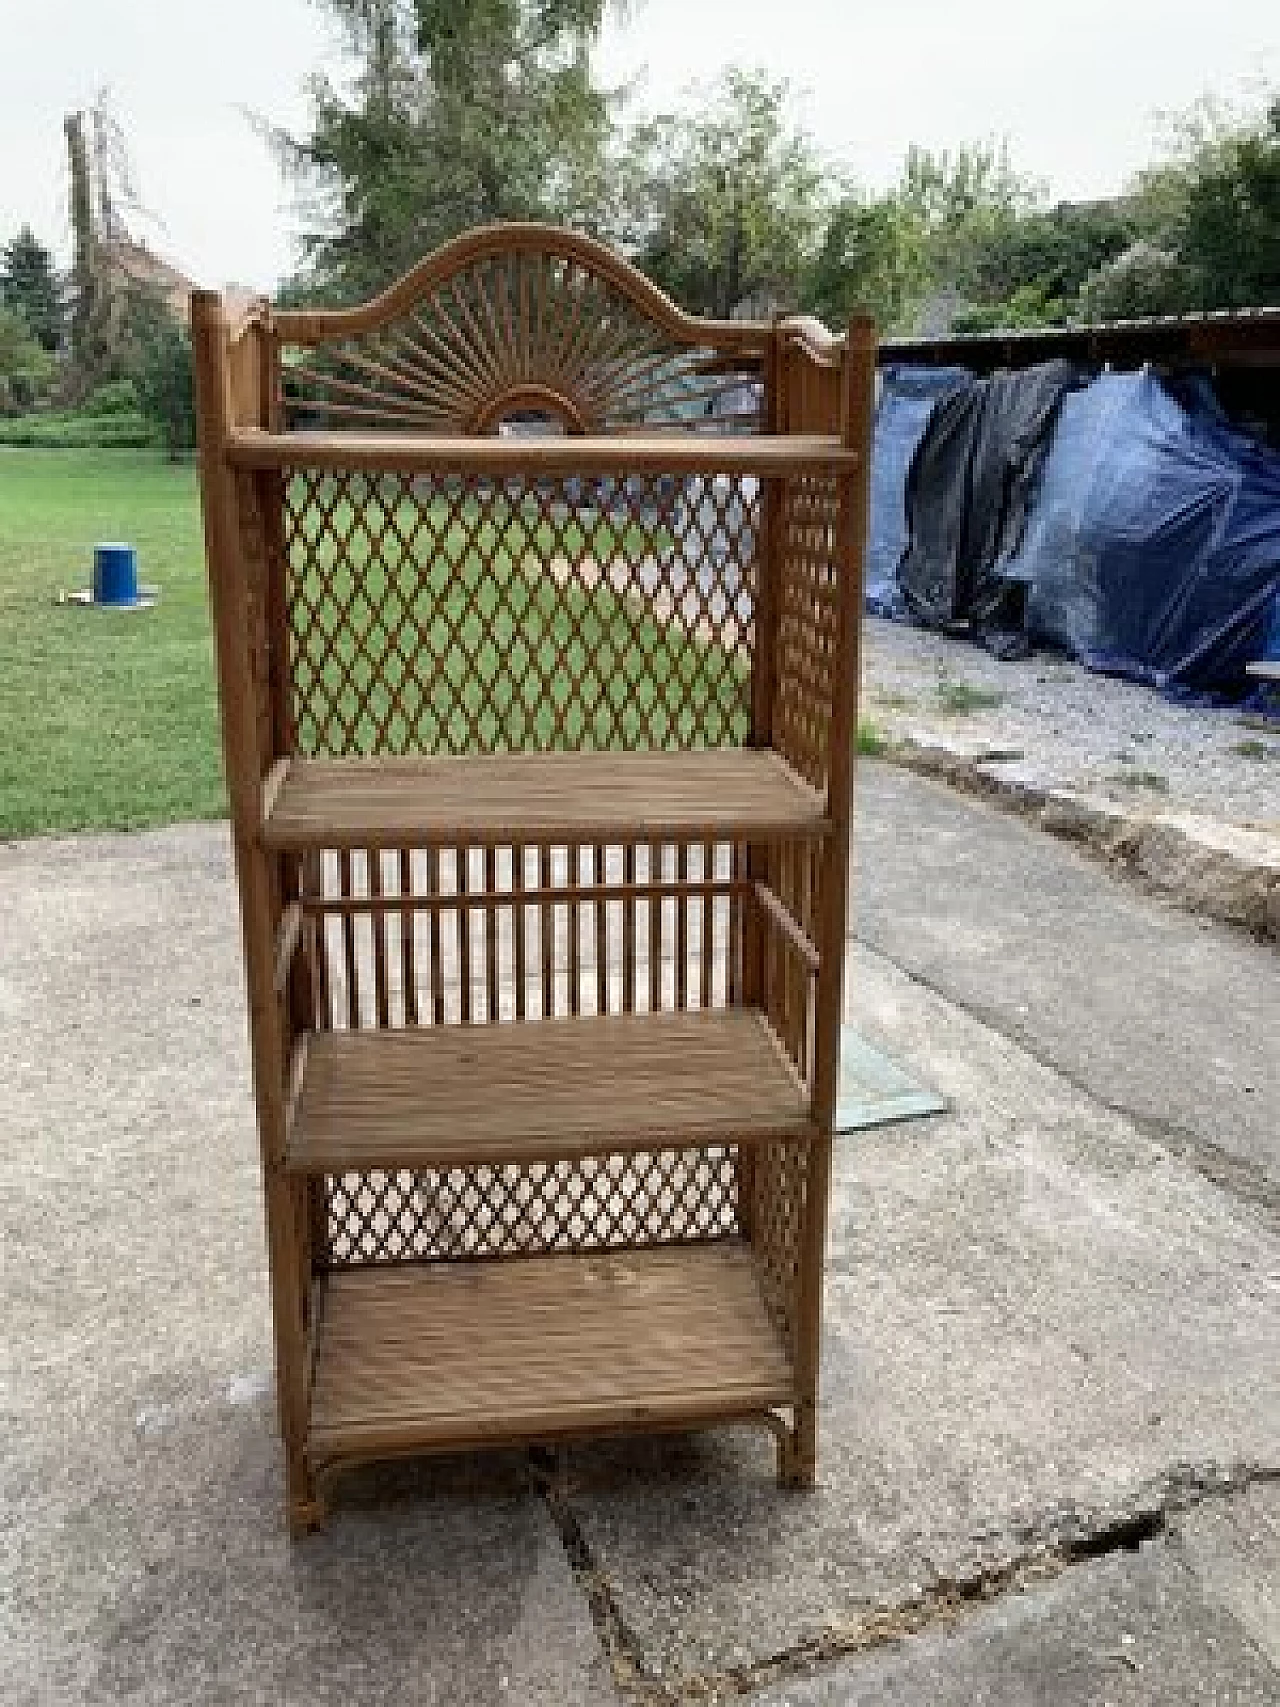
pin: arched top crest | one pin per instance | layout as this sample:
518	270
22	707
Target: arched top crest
515	322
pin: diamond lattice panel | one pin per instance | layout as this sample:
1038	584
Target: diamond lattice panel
780	1187
808	623
663	1197
438	615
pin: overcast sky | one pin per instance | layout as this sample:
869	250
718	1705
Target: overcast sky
1076	89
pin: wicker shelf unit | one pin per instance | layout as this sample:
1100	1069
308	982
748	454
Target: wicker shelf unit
537	605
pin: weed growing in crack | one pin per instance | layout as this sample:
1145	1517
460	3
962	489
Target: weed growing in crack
1154	780
1255	750
957	698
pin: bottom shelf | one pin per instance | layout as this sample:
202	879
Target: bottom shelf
422	1357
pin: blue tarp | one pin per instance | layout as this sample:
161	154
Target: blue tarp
1152	549
907	399
1271	642
1151	546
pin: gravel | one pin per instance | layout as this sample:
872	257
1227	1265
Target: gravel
1057	725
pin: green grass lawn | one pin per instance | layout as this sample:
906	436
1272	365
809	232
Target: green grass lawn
106	718
109	719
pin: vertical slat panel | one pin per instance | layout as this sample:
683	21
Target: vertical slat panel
520	927
348	942
706	946
437	947
600	863
575	932
380	922
492	973
737	929
547	934
630	970
315	869
462	887
682	928
408	955
655	927
796	976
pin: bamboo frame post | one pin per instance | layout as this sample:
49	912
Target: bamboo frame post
246	765
857	397
763	688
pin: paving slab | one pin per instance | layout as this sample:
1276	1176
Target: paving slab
1169	1018
1039	1322
1133	1631
1233	1547
143	1556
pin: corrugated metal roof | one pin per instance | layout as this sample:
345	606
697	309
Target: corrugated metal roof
1245	337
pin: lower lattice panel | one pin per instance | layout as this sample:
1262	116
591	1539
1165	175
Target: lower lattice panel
591	1203
424	1357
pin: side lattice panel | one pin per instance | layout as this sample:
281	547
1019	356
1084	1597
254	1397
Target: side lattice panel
779	1199
808	623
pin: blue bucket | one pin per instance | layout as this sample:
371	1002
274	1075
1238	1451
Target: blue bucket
115	575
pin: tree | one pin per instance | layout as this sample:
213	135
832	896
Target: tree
462	112
101	186
872	256
1144	280
29	285
157	357
1212	206
724	207
1229	233
967	202
26	368
1045	255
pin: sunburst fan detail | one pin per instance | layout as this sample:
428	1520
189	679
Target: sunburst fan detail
530	330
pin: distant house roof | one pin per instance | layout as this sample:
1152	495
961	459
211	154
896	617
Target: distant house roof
136	264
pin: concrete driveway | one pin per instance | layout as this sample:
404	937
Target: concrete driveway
1051	1420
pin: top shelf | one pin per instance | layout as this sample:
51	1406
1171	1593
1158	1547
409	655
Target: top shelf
618	453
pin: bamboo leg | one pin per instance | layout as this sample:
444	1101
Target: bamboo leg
831	910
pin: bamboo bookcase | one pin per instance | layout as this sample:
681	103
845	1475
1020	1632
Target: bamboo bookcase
539	748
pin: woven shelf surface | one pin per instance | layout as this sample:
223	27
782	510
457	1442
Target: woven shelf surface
417	1355
449	1096
715	793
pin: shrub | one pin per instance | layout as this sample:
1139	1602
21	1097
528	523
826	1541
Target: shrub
80	432
116	397
163	370
26	369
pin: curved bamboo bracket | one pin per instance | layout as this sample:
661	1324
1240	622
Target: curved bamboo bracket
317	326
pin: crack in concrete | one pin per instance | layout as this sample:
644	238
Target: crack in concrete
1239	1178
621	1646
1058	1543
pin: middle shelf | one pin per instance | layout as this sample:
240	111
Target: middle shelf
718	793
450	1096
